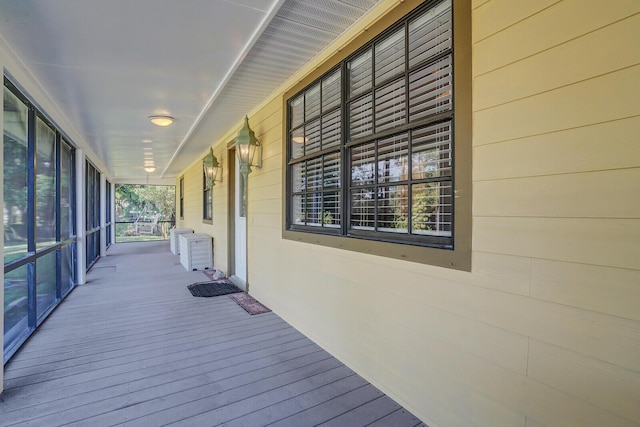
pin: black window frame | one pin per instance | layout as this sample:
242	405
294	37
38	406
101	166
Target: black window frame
63	249
454	251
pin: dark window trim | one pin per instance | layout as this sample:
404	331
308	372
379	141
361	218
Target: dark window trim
207	198
181	197
459	257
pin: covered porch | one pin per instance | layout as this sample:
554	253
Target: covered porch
133	347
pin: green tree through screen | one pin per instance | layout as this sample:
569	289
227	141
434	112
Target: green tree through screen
144	212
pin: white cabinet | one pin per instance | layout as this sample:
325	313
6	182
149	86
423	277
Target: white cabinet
174	243
196	251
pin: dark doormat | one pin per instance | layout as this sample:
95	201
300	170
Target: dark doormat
213	289
250	304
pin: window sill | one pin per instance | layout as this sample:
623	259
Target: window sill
457	259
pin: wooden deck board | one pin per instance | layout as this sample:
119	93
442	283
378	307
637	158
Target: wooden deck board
323	406
133	347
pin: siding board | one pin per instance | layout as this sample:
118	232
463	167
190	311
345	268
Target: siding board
497	15
597	53
604	194
601	384
597	241
602	146
505	273
602	99
564	21
614	291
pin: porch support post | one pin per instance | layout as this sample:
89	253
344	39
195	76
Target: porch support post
81	264
112	206
103	217
2	237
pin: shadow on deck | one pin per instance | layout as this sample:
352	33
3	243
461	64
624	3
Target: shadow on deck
133	347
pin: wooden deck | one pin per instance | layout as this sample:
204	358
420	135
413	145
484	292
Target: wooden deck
133	347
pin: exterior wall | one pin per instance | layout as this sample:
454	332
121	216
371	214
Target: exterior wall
545	329
193	206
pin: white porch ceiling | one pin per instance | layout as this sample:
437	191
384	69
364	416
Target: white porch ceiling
108	65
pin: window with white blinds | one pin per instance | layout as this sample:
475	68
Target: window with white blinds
370	143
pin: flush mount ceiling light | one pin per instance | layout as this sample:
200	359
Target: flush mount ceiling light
149	169
161	120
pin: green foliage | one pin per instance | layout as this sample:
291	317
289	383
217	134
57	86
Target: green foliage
143	202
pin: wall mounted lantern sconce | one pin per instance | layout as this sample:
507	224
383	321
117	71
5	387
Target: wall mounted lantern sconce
212	170
246	146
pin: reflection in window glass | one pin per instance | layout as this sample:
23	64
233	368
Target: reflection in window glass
359	72
67	217
45	185
31	219
16	322
297	209
431	157
432	209
312	102
393	159
363	209
67	257
15	177
390	55
393	208
45	283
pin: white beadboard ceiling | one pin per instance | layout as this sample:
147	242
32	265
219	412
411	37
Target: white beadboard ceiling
108	65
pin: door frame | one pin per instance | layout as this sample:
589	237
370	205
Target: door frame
242	280
231	215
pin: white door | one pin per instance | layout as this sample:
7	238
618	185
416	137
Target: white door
240	268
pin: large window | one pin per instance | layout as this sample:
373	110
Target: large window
39	218
371	152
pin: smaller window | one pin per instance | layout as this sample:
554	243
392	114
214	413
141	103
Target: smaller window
207	200
182	198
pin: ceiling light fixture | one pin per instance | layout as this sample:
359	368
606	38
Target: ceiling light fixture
161	120
149	169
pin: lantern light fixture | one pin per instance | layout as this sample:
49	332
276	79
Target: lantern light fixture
212	169
246	146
